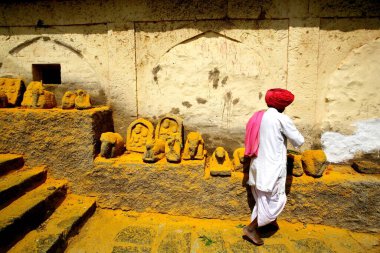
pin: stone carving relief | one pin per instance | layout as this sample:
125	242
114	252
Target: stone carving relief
82	100
294	162
314	162
68	100
169	126
139	133
112	145
239	160
155	151
36	96
173	149
194	147
13	88
220	163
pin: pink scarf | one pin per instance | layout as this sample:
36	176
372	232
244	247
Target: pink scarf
252	134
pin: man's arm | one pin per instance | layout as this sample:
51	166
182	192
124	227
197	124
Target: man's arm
291	132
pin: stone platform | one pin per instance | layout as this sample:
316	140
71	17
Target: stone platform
65	140
342	197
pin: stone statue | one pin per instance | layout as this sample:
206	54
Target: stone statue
194	147
3	100
239	160
294	164
169	125
314	162
139	133
220	163
82	100
68	100
173	149
13	89
36	96
155	151
112	145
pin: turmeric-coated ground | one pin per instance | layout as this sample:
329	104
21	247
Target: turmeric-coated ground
118	231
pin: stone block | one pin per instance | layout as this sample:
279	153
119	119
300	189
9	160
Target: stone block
314	162
366	167
139	132
341	8
137	235
258	9
294	163
131	249
14	89
220	163
310	244
112	145
175	241
66	141
342	197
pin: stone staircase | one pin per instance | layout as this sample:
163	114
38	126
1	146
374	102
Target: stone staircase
36	213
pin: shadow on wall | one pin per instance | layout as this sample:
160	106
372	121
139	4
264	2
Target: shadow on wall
46	14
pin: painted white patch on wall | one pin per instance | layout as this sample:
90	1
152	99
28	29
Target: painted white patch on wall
340	148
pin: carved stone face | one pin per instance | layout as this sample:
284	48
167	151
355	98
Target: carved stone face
106	149
68	100
166	124
220	154
138	129
193	141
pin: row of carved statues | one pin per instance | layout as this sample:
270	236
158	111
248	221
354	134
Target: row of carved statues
13	93
168	143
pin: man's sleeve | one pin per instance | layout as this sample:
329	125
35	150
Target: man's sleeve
291	132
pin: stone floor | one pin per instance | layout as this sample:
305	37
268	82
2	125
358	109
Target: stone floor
118	231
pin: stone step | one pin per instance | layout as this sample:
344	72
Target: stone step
16	183
52	235
10	162
30	210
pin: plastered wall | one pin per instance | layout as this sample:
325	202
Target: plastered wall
210	62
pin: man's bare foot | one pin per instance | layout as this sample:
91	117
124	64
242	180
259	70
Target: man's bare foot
253	235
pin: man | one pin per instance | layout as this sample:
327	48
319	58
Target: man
266	136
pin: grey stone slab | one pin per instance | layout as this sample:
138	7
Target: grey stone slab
137	235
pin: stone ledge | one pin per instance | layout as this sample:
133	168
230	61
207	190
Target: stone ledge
340	198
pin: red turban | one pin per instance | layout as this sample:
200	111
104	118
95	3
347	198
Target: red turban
279	98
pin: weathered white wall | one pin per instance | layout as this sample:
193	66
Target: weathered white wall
210	62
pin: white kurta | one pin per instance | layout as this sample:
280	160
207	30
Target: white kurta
267	173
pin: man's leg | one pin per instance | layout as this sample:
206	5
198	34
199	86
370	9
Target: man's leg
251	229
251	232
